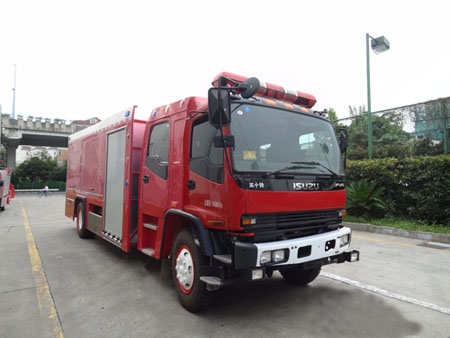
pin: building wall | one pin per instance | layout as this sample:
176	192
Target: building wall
24	153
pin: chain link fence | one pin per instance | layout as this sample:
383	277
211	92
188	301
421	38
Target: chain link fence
421	129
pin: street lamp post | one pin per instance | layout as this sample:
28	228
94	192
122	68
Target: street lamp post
379	45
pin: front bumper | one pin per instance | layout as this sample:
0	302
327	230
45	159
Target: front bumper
296	251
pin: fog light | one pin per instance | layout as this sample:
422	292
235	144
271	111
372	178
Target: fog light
266	257
354	256
344	240
351	256
278	256
257	274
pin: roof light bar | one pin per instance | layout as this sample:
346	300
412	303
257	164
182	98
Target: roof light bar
267	90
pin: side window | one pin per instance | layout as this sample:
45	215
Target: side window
158	150
206	160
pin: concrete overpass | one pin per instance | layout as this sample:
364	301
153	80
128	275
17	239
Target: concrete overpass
36	132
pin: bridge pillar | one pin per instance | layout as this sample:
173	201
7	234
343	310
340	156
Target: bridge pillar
11	146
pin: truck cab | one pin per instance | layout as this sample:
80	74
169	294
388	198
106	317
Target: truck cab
243	185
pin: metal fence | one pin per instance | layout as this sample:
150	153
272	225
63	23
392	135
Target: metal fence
421	129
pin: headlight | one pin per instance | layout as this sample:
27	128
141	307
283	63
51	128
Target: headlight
278	256
275	256
266	257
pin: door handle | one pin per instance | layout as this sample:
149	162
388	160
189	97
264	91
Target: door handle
145	178
191	184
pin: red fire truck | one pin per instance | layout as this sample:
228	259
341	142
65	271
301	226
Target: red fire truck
232	187
6	190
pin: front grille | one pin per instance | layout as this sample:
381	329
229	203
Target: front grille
278	226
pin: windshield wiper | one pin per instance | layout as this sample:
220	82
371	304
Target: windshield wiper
288	168
301	165
320	165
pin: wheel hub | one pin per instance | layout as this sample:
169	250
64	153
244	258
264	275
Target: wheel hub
184	268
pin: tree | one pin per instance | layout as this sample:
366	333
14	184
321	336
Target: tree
389	138
39	170
332	115
357	134
59	173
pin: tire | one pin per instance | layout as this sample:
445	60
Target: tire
81	224
296	275
186	266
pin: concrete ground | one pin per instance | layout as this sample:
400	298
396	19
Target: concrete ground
53	284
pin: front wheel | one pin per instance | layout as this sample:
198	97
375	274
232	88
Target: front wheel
296	275
186	264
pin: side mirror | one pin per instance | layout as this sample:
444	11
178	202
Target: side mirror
343	142
219	107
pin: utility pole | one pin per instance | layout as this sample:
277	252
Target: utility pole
13	114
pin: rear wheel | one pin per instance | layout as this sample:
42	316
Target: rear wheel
296	275
81	227
186	264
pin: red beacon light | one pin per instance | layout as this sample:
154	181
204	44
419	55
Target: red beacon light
267	90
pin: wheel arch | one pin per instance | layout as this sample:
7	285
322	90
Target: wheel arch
174	221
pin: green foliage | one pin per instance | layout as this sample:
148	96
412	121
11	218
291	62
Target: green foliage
414	187
389	138
37	172
332	116
2	157
364	198
425	147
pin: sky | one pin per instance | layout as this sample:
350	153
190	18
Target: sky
93	58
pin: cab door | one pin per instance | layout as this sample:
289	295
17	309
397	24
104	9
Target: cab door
207	198
155	188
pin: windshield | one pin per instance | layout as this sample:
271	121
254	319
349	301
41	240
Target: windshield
271	140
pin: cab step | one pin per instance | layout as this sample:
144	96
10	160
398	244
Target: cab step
225	259
150	226
148	251
212	282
